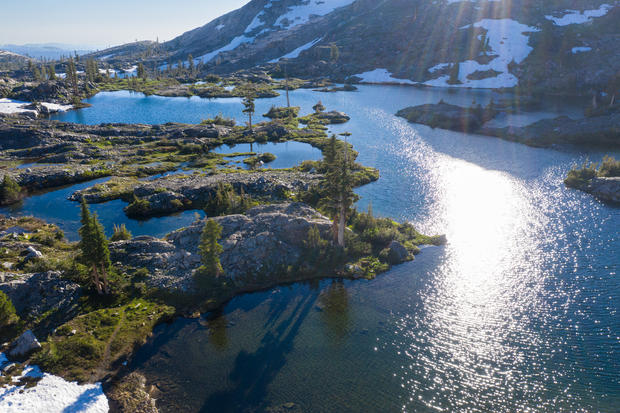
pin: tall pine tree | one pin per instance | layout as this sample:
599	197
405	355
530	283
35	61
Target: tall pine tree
210	250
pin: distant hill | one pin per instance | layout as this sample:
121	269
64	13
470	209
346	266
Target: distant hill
560	46
47	51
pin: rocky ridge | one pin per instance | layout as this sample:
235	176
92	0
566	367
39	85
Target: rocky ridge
258	246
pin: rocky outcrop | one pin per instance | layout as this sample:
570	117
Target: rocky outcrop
35	294
178	192
17	133
606	189
24	345
333	117
601	130
591	131
258	247
446	116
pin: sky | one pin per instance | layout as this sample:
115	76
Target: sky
105	23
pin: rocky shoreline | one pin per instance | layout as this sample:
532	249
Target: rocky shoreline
602	130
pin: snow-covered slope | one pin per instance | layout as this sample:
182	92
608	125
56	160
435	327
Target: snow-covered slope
447	43
52	394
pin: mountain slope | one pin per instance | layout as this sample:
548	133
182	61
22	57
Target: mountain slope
560	46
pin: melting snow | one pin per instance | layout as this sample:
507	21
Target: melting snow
578	17
51	395
13	106
16	106
295	16
301	14
581	49
382	76
295	53
508	42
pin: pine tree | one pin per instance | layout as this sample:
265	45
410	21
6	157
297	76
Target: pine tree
10	191
72	78
210	250
7	310
249	108
141	71
338	184
52	72
190	60
94	247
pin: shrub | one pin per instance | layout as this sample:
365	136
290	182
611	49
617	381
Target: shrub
177	204
121	233
220	120
282	113
139	207
579	178
264	158
609	167
10	191
226	201
7	310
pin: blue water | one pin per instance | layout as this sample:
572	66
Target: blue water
55	207
288	154
519	312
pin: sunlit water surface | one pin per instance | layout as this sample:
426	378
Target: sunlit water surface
517	313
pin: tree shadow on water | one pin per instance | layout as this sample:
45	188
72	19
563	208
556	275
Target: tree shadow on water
253	372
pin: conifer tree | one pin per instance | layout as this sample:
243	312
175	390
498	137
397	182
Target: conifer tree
141	71
94	247
10	191
249	108
52	72
210	250
190	61
338	183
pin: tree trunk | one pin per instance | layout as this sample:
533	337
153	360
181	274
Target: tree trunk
106	285
341	224
96	281
250	116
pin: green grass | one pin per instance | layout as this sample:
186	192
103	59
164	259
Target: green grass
86	347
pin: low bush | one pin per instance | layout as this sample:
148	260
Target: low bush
121	233
139	207
226	201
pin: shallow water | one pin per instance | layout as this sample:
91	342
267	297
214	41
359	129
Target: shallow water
288	154
517	313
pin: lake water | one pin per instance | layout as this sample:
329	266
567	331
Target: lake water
518	312
288	154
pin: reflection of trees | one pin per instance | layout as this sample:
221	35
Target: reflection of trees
334	301
218	336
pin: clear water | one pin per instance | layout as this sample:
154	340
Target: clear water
519	312
55	207
288	154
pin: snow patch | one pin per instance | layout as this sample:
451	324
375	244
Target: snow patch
220	26
580	49
579	17
295	53
302	14
14	106
440	66
508	42
52	394
382	76
10	106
